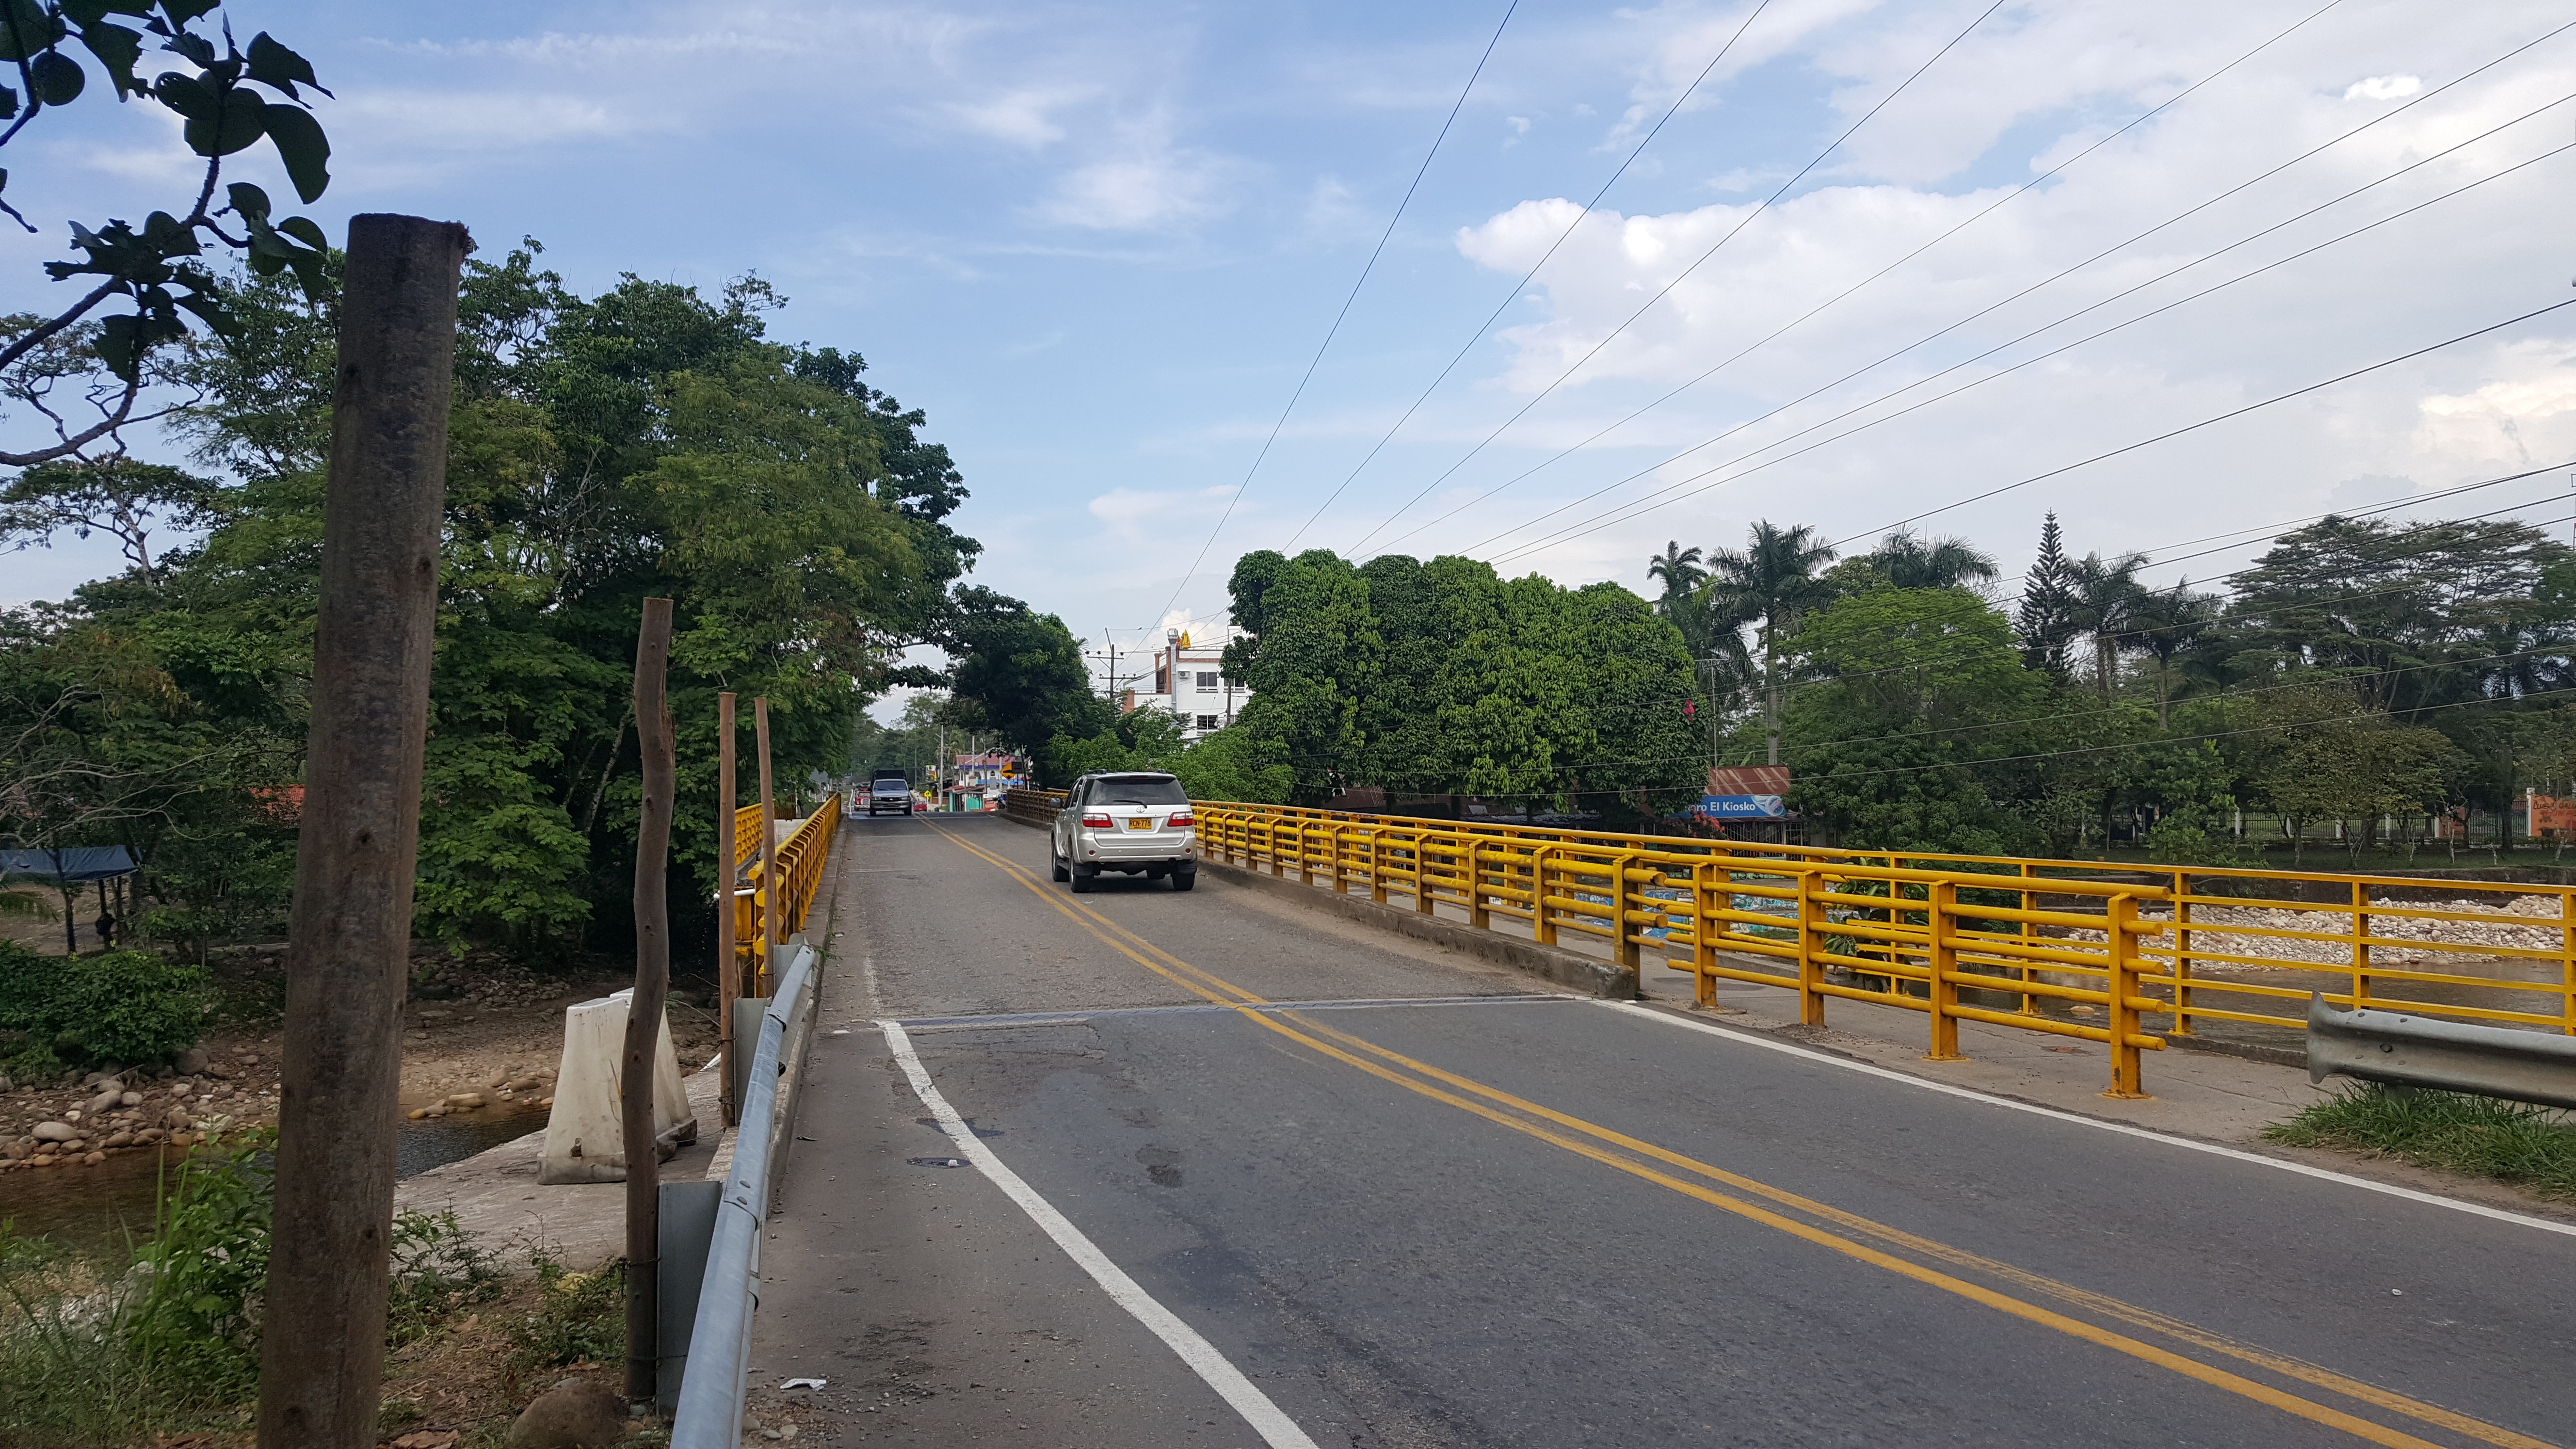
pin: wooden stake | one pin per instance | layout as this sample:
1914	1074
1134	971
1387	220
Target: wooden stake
771	887
652	988
348	952
729	868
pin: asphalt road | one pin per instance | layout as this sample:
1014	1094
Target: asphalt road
1399	1199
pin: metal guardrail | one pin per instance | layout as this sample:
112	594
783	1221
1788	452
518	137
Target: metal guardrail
711	1394
2032	943
2411	1051
801	858
1032	807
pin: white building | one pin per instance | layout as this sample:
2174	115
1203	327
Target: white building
1189	681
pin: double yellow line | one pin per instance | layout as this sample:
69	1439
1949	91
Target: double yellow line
1645	1160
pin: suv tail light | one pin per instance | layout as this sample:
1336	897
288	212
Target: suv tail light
1183	817
1097	822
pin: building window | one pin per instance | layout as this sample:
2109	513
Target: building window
1207	721
1207	681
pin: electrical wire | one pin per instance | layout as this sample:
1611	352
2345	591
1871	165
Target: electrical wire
1514	294
2006	345
1338	317
1795	322
1749	217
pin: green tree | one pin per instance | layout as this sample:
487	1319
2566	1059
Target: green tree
1770	584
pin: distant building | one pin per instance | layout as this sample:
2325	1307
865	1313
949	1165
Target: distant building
1189	680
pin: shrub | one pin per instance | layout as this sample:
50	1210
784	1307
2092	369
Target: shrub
123	1006
580	1318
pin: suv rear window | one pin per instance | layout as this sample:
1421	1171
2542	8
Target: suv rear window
1137	790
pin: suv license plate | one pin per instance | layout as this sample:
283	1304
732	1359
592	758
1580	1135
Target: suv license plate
1140	823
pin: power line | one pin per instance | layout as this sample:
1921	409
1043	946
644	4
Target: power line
1732	233
2003	346
1637	511
1514	294
1811	312
1332	331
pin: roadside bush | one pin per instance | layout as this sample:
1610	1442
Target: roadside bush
580	1318
123	1006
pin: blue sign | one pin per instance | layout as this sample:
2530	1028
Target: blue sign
1742	807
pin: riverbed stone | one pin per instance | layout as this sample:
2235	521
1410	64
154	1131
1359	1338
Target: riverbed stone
464	1101
130	1099
54	1132
190	1062
106	1101
94	1159
571	1415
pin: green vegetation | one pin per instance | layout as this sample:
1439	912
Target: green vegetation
580	1318
100	1353
127	1007
2512	1142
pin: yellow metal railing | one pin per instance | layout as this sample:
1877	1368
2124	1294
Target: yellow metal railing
1032	807
801	858
2071	948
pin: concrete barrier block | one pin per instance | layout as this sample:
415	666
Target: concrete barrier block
585	1136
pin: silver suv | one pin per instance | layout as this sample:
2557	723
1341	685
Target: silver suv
1135	823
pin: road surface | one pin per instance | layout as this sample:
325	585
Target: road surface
1243	1174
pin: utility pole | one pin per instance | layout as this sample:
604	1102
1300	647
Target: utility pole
644	1009
321	1371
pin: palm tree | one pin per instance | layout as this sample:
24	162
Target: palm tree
2170	624
1769	585
2108	600
1680	570
1909	561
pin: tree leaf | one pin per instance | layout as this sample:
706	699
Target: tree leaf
306	232
56	79
25	29
248	201
183	11
242	118
303	147
187	95
116	344
118	49
195	47
8	102
272	64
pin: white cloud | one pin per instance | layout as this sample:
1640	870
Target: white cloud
1021	117
1153	188
2383	88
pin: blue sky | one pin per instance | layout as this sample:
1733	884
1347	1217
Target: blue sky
1100	244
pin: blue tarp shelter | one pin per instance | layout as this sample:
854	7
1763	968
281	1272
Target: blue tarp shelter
74	865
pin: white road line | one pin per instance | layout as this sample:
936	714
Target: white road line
1275	1427
2124	1129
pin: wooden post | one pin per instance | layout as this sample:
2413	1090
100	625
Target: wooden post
321	1371
773	891
729	869
644	1011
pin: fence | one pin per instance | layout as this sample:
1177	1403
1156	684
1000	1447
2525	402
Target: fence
1032	807
801	857
2070	948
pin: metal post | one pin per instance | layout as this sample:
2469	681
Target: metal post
2121	979
1940	990
728	947
1811	950
764	960
652	986
1541	928
2360	946
1624	946
2029	933
1704	928
2182	953
349	933
1479	916
1377	864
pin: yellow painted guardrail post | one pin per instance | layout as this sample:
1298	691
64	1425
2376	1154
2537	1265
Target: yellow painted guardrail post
1478	916
1940	982
1542	928
1423	900
1377	864
2029	933
1705	898
2182	953
2567	962
1627	949
2360	945
1811	949
2127	1076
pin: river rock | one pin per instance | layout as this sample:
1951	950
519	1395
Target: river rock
190	1062
571	1415
464	1101
106	1101
130	1099
121	1139
175	1117
94	1159
55	1132
183	1088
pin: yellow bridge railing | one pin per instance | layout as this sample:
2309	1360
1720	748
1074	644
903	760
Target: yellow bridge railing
2076	949
801	858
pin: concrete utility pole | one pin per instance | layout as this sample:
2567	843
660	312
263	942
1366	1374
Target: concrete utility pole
348	951
644	1011
728	969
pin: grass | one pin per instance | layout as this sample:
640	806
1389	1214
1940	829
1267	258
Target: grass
2531	1147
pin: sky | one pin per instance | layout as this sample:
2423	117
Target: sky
1861	263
